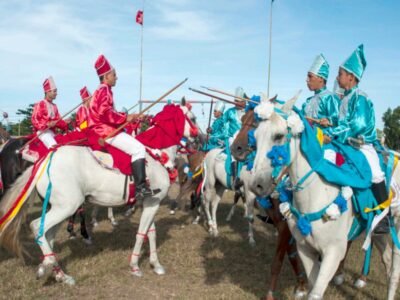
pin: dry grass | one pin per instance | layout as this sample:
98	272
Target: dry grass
198	266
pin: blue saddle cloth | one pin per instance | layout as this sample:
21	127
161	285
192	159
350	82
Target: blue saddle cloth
354	172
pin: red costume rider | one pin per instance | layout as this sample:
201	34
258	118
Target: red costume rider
45	116
104	119
83	111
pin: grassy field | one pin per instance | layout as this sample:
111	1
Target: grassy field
198	266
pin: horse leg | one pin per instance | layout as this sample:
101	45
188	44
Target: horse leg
310	259
301	287
70	226
280	251
130	211
327	269
84	232
249	214
95	211
209	195
110	213
155	264
150	208
53	218
173	207
214	207
338	279
232	210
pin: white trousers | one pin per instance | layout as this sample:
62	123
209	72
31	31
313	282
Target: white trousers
47	138
128	144
373	160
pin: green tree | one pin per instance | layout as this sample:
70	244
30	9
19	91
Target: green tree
391	120
25	126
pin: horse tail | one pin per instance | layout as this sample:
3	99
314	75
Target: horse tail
9	234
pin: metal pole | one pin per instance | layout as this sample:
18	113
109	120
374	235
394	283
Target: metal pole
270	48
141	61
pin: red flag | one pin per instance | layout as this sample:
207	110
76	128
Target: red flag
139	17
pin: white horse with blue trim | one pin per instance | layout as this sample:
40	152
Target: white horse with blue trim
328	240
216	181
75	175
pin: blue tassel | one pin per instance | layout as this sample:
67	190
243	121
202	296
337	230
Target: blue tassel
341	203
252	105
304	226
264	202
190	174
251	139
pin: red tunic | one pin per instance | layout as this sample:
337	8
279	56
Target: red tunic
45	111
82	117
103	118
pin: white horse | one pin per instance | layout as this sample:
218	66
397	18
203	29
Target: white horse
76	175
214	185
328	240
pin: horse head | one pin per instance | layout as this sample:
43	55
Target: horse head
273	141
190	130
242	145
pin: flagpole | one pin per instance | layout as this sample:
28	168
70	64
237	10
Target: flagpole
270	47
141	61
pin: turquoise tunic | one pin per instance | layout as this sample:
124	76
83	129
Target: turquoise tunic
356	117
324	104
217	137
232	122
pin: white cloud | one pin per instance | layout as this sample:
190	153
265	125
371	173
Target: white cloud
190	25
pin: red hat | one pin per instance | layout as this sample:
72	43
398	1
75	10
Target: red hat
85	93
102	65
49	84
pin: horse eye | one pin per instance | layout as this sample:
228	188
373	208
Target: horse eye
278	137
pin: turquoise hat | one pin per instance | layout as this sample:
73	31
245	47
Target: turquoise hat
356	63
320	67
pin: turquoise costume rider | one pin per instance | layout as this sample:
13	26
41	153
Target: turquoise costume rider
357	120
324	104
232	123
218	134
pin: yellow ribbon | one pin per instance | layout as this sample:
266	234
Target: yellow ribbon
387	203
198	173
320	136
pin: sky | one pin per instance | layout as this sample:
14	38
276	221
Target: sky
219	43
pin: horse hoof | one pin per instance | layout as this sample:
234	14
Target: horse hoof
72	237
68	280
214	233
41	272
298	295
114	223
95	224
88	241
338	279
136	272
314	297
195	222
252	243
129	212
360	283
172	212
158	269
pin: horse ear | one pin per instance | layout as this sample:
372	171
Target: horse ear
273	99
183	101
264	98
287	107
